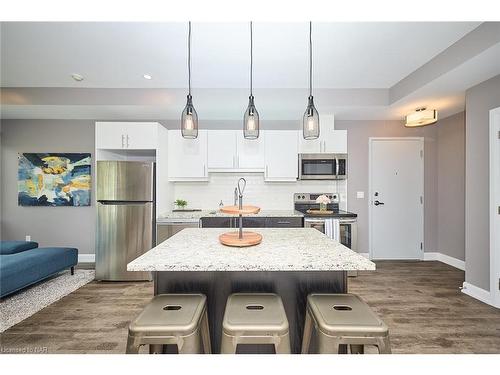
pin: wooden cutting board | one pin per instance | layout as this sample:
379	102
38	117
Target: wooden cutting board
235	210
232	239
319	212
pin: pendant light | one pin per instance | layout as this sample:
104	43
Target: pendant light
189	118
251	117
310	121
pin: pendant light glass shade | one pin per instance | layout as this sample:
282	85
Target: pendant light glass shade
251	117
189	120
310	121
189	117
251	121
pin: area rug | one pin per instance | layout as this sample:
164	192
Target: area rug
22	305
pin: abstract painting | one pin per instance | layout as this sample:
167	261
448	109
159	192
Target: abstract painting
54	179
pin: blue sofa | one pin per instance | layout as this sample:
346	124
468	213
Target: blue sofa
23	263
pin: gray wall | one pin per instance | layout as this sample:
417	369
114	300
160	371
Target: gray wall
479	100
358	134
451	186
50	226
54	225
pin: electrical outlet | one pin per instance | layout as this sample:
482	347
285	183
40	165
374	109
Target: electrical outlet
360	194
28	237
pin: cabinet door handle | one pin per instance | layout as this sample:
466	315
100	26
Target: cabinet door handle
204	170
237	161
127	140
123	141
283	222
267	172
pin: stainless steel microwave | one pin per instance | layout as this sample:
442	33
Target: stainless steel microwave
322	166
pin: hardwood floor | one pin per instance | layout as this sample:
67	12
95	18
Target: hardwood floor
420	301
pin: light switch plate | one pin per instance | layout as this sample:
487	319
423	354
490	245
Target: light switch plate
360	194
28	238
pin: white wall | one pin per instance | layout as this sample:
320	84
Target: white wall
267	195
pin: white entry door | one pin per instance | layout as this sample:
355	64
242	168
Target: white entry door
396	198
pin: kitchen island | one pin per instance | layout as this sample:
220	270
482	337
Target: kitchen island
291	262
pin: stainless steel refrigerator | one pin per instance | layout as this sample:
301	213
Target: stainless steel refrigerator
125	217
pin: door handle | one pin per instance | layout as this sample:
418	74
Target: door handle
377	203
127	140
123	141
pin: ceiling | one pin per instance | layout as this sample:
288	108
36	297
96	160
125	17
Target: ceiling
357	68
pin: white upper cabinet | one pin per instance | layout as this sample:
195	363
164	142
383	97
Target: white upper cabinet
222	150
250	151
312	146
229	151
336	142
142	136
281	155
126	135
187	158
329	141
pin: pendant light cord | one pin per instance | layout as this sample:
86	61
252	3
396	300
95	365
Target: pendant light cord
310	59
251	59
189	59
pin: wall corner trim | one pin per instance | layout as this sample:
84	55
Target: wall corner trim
454	262
86	258
478	293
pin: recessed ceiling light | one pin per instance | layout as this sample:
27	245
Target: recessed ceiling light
77	77
147	76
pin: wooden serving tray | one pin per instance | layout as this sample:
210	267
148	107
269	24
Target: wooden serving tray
232	239
234	210
319	212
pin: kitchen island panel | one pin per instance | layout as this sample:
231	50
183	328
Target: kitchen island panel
292	286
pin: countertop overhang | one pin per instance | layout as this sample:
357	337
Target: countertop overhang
282	249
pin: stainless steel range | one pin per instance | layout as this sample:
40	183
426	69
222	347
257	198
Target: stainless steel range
347	220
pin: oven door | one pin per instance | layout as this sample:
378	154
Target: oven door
348	233
318	224
317	167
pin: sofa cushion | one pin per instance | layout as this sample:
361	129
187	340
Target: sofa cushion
22	269
13	247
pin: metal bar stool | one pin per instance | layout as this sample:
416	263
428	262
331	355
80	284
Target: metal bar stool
179	319
258	318
343	319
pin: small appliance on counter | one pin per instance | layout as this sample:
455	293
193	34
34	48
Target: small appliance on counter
306	203
125	217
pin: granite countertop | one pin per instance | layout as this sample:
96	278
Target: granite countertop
167	216
282	249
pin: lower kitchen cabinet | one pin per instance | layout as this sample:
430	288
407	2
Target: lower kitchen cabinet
215	222
253	222
285	222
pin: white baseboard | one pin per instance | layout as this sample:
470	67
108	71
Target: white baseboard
477	293
454	262
86	258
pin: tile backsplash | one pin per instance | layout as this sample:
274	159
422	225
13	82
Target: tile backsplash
267	195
